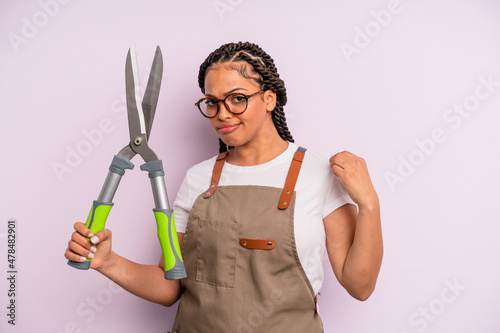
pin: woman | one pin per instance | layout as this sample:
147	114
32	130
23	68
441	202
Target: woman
255	221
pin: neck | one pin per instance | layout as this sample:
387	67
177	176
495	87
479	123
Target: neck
256	153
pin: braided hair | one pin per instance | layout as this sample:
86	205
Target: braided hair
261	69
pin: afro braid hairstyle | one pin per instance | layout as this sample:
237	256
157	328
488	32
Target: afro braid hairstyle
262	70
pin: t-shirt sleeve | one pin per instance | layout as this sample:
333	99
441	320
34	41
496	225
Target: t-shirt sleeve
336	196
182	208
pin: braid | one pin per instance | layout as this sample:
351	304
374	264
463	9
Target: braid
223	147
264	72
279	121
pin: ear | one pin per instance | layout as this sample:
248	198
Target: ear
270	100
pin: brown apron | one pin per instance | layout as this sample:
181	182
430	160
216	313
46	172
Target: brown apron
243	271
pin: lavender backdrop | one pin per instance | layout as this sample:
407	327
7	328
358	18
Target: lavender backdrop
411	86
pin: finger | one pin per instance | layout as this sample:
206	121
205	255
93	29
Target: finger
70	255
80	240
347	159
340	160
353	159
82	229
338	171
75	256
333	158
101	236
80	250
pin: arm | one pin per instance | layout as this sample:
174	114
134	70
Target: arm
145	281
354	238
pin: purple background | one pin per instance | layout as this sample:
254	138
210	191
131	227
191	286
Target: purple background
377	78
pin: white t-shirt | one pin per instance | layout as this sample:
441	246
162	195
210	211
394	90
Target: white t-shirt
318	193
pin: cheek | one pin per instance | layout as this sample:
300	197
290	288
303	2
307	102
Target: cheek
212	123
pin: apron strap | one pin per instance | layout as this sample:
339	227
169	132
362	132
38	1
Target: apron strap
219	163
291	178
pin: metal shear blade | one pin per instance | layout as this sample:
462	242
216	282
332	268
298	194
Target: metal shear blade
141	113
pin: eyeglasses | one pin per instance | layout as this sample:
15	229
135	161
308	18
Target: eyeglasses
236	103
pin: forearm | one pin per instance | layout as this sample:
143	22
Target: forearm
364	258
145	281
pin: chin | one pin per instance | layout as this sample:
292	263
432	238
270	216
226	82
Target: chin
229	142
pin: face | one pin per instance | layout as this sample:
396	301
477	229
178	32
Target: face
253	126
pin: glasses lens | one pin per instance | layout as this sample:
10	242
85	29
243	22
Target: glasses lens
237	103
208	106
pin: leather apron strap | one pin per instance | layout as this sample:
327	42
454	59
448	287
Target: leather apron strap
219	163
291	178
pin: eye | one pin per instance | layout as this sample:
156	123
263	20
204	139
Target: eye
210	102
237	99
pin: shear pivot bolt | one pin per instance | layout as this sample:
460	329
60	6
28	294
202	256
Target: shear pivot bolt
138	141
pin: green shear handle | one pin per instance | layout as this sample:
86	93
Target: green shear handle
174	268
167	234
95	222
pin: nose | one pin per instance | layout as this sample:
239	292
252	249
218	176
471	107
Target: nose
223	112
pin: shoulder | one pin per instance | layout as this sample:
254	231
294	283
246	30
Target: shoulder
198	176
316	162
316	175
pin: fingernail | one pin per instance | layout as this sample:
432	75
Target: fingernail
94	239
90	256
93	249
83	258
91	234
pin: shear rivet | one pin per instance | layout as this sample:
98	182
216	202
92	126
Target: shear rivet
244	243
284	203
287	192
138	141
212	186
269	244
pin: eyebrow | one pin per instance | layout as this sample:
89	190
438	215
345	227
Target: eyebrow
227	93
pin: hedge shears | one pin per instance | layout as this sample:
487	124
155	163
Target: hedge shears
140	121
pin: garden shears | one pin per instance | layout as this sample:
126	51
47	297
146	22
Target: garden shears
140	120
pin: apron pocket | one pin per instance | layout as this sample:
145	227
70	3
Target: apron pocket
216	243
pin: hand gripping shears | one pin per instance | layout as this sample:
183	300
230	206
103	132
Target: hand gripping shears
140	120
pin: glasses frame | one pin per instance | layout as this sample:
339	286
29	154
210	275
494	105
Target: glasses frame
246	97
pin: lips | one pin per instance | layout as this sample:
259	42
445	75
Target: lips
227	128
